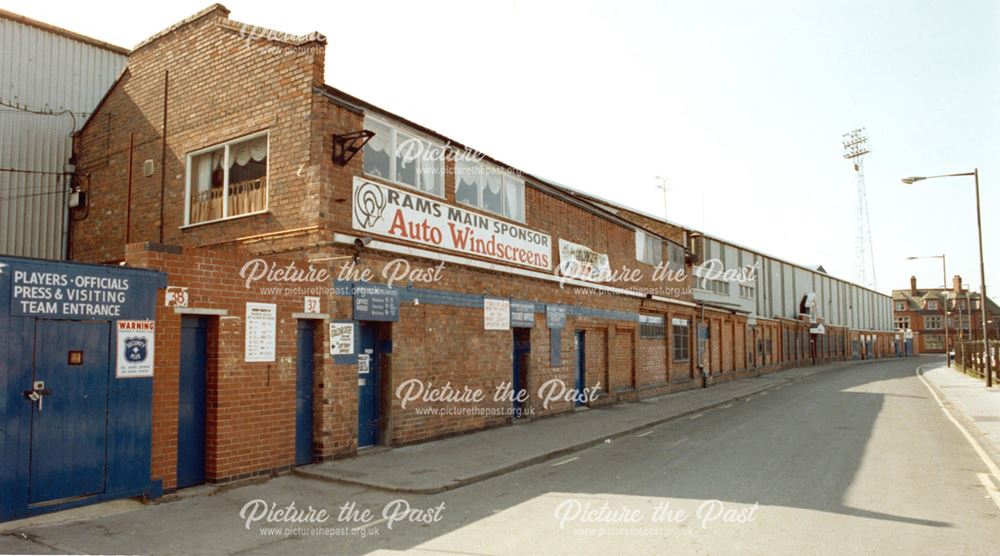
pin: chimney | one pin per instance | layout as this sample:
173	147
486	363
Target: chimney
913	285
957	282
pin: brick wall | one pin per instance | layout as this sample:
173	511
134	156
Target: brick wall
213	85
221	87
250	411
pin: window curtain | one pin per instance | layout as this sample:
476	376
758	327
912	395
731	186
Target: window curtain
378	159
514	192
468	181
206	164
431	174
380	141
254	149
492	185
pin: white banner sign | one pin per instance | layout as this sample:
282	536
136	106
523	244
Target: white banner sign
135	348
341	338
387	211
261	325
496	314
583	263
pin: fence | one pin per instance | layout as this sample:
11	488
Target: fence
969	357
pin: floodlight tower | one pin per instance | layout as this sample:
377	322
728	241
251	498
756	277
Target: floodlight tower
855	149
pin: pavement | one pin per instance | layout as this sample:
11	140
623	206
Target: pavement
852	459
441	465
968	396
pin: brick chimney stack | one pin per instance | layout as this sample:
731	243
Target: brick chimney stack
957	282
913	285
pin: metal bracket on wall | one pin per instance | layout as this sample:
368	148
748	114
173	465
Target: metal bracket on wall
347	145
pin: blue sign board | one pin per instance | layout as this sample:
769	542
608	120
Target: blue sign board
555	347
79	293
555	316
522	314
375	302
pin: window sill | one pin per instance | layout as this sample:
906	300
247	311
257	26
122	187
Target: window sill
226	219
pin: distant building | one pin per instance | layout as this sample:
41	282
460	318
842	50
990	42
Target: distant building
51	80
923	310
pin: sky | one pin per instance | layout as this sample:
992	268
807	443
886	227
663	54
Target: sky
739	105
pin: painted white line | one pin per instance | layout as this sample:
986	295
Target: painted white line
644	434
990	487
366	525
696	415
975	445
557	464
677	443
727	406
764	393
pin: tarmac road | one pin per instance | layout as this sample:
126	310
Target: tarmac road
857	459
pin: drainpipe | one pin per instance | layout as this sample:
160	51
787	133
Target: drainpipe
128	201
163	149
701	354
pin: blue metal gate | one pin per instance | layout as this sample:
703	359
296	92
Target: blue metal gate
75	404
304	393
191	402
581	366
368	386
69	424
522	347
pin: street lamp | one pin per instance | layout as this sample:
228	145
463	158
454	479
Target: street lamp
982	266
944	271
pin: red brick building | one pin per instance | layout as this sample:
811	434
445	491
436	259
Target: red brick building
282	208
923	311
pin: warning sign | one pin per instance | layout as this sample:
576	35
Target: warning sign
135	348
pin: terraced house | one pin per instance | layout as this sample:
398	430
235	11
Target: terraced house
922	312
332	265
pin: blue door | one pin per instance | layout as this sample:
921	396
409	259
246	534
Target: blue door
581	366
69	428
368	386
304	393
522	347
191	417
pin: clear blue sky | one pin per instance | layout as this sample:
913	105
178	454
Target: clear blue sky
739	103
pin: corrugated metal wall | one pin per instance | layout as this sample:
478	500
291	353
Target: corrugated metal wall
43	71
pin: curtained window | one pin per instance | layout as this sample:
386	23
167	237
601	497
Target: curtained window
675	254
378	151
648	248
489	188
402	157
227	180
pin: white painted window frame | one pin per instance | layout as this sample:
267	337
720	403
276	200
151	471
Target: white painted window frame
225	179
504	177
394	130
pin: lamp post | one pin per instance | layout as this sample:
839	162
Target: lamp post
982	266
944	272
